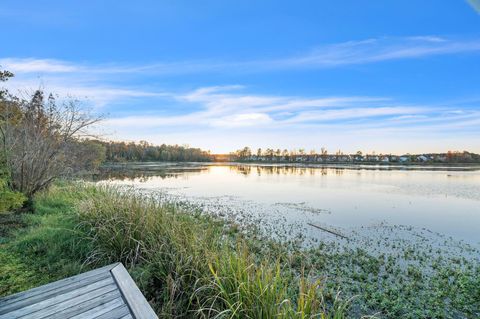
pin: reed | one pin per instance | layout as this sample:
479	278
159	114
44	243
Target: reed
190	265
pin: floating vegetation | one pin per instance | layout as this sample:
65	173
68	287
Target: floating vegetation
390	270
303	207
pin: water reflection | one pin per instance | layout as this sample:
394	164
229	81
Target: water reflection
284	170
145	171
446	200
142	176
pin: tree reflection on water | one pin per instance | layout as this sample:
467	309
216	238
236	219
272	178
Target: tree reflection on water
284	170
128	174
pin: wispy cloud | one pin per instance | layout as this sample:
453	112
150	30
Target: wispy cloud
353	113
32	65
323	56
95	91
378	50
228	117
208	112
229	108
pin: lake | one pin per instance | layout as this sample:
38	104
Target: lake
347	200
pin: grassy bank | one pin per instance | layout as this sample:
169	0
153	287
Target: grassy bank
191	265
187	265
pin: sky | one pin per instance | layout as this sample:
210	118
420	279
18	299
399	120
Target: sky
385	76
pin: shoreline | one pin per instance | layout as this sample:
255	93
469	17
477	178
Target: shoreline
400	282
340	165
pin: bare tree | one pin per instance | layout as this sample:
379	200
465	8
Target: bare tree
39	139
9	114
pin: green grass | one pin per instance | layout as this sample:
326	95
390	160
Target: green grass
188	265
42	247
9	200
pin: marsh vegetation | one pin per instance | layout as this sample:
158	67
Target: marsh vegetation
238	243
190	264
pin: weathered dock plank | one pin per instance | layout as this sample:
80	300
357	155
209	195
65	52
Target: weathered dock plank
38	302
83	302
135	300
57	285
105	293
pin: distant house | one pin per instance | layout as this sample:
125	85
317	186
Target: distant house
357	158
422	158
385	159
404	159
440	158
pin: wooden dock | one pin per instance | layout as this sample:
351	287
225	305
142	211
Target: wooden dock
104	293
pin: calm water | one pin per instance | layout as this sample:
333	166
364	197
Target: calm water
442	200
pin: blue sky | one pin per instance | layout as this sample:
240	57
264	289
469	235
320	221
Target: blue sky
384	76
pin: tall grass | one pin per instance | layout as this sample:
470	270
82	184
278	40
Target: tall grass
193	266
190	265
242	288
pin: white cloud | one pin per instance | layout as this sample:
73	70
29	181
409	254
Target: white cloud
216	111
225	107
377	50
243	120
352	113
235	111
353	123
324	56
95	92
31	65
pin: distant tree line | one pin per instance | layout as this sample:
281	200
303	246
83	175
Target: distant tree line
461	157
144	152
323	156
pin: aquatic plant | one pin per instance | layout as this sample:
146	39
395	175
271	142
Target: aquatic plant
190	264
